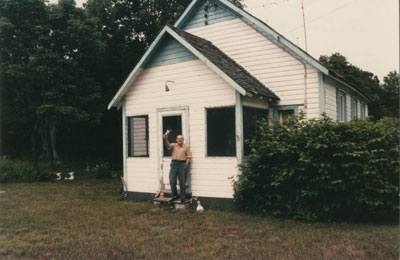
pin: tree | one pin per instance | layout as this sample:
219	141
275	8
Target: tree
61	65
21	26
366	81
390	94
48	80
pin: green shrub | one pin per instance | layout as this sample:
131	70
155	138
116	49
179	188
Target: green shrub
22	171
320	169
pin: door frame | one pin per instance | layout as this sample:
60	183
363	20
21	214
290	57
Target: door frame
183	111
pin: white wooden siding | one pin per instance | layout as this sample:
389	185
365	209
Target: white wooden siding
214	13
195	86
170	52
331	103
330	98
264	59
255	101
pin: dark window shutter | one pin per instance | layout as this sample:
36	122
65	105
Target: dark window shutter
138	136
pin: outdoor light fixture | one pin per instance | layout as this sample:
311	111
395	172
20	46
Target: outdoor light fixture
166	85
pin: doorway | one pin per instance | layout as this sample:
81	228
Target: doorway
175	120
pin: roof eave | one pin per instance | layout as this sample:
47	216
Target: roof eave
334	77
211	65
278	37
294	48
116	100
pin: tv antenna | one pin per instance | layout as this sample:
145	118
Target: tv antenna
304	24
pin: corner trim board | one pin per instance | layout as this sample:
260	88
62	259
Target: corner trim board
239	128
124	143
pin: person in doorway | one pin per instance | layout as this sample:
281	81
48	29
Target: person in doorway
180	161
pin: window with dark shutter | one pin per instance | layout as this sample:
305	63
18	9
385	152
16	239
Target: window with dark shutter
138	136
221	131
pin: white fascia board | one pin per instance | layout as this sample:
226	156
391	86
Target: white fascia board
115	102
186	13
207	62
298	51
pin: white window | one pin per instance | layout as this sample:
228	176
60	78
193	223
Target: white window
362	110
341	105
354	108
285	113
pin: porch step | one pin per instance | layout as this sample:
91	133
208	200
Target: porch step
177	203
169	199
168	193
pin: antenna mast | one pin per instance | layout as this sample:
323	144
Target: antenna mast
304	24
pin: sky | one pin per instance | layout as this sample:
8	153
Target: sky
366	32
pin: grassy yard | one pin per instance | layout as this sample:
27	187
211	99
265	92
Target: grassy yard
86	219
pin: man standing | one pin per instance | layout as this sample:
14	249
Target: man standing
180	161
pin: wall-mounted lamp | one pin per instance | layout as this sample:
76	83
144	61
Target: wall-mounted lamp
166	85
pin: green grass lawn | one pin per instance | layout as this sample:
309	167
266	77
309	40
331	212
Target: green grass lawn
86	219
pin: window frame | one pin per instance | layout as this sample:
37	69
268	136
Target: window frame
246	151
339	109
279	109
206	132
354	108
129	137
362	110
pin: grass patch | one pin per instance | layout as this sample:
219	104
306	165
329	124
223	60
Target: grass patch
86	219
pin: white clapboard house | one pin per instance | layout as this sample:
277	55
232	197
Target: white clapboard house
210	77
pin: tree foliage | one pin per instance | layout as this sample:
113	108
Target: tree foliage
390	94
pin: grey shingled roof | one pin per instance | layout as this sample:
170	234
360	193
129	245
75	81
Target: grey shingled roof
236	72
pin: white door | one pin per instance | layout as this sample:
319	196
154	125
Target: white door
176	120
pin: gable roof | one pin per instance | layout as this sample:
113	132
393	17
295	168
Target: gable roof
270	32
227	65
240	79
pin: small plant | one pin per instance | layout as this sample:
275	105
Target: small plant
103	171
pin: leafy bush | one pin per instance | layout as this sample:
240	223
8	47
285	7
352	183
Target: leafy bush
23	171
320	169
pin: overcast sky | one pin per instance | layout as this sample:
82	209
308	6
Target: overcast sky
365	31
